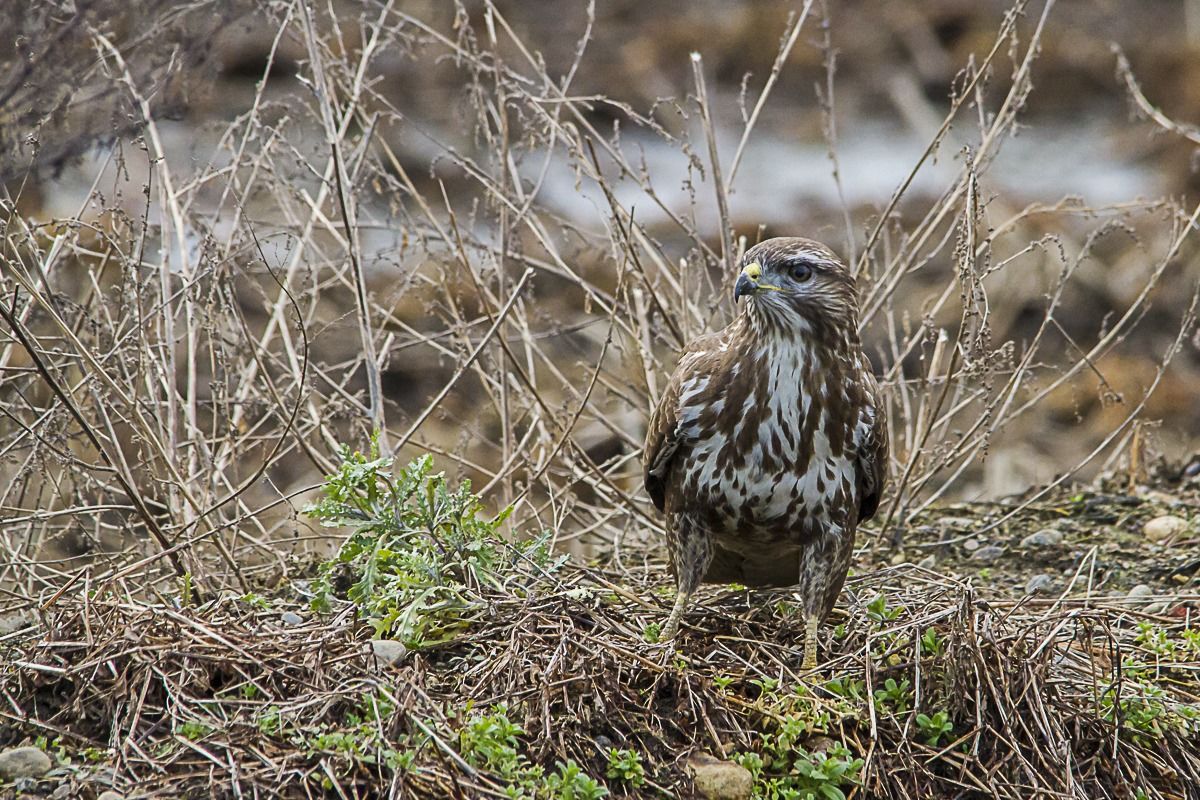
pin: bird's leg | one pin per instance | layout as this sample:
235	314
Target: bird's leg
671	626
810	642
813	582
691	553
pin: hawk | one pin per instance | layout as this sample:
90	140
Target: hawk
769	444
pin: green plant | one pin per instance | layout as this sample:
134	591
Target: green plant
935	727
194	730
95	755
1142	712
893	697
359	737
931	643
572	783
625	765
802	775
847	688
270	721
255	600
1155	639
55	748
491	742
420	558
651	632
879	611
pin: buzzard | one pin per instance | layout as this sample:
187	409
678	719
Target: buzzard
769	443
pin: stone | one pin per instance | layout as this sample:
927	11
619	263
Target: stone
11	623
819	744
1038	583
988	554
1046	537
720	780
291	618
111	795
389	651
1161	529
957	523
1161	498
928	562
972	544
23	762
1140	591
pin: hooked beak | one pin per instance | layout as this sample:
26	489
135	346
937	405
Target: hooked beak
748	282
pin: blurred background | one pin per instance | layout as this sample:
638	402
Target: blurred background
489	226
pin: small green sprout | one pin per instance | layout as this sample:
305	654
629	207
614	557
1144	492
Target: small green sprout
625	765
878	610
893	697
935	727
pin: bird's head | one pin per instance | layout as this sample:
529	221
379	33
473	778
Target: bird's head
797	284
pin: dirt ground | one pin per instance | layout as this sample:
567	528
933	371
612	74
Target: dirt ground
1075	541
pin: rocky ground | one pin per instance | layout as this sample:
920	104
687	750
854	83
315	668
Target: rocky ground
1117	537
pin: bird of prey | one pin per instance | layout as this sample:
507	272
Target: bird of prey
769	444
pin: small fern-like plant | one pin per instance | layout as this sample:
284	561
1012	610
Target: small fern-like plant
422	557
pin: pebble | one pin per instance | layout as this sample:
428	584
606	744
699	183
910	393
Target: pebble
389	651
111	795
1160	529
11	623
1141	590
24	762
1046	537
1146	593
928	562
819	744
291	618
1161	498
972	544
720	780
1038	583
988	554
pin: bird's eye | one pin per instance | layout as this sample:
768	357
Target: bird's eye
801	272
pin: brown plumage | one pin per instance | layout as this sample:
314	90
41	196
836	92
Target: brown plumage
769	443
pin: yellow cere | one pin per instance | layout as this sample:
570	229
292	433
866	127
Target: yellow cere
753	271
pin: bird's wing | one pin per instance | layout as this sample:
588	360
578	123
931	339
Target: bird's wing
662	440
872	450
663	435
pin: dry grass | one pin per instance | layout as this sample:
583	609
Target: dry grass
226	695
